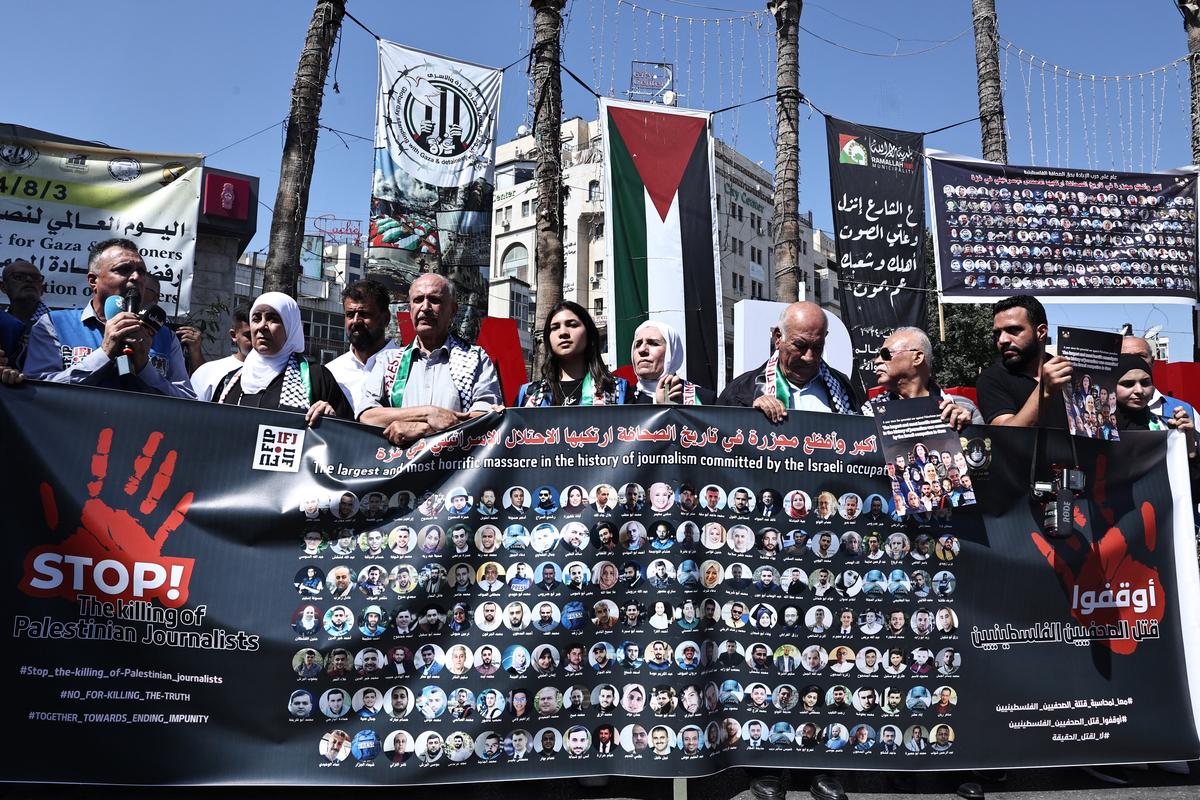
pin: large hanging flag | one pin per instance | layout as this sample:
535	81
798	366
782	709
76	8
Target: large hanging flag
435	135
660	229
879	214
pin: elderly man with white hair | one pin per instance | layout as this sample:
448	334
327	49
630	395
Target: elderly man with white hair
904	369
795	377
436	381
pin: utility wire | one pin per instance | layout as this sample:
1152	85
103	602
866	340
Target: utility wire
245	138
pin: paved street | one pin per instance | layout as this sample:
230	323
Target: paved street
1039	784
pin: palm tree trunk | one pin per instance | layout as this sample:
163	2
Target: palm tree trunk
786	222
300	147
547	122
987	66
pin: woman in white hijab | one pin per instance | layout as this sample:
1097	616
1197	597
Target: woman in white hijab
657	355
275	374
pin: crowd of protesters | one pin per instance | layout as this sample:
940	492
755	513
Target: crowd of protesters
438	381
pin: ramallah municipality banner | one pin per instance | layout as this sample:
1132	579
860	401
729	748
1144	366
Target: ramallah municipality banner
660	231
58	200
1066	235
553	593
435	137
877	187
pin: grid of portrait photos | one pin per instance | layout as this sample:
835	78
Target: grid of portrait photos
929	473
623	621
1005	234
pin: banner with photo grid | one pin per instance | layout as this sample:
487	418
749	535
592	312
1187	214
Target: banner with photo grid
1071	236
565	592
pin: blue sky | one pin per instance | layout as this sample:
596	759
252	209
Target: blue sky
197	77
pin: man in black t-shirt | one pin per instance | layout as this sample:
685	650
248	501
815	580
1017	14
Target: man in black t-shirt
1006	390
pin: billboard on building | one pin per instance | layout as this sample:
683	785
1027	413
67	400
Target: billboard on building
312	256
59	200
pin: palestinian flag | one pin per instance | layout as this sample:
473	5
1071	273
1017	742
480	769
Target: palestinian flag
661	232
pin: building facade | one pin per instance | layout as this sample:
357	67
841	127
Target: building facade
319	298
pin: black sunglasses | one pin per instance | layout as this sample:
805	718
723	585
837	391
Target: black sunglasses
887	353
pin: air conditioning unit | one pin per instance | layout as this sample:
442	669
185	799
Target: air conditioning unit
595	282
505	224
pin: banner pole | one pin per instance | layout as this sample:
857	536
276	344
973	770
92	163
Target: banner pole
941	319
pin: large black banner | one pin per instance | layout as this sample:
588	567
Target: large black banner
565	592
1067	235
877	186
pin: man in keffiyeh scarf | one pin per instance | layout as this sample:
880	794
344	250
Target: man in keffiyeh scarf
795	376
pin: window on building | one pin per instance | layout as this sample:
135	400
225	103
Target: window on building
718	202
598	306
598	268
593	191
515	262
741	248
524	208
740	209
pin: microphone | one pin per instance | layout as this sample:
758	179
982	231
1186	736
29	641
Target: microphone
113	306
132	302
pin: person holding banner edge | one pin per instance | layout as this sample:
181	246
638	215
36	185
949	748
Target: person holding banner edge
796	377
904	369
1023	388
434	383
275	373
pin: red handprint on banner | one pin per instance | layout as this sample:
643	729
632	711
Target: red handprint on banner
112	554
1107	585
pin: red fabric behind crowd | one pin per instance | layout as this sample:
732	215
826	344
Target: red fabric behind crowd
1180	380
499	339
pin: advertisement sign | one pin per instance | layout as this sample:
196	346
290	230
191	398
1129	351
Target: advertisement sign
58	200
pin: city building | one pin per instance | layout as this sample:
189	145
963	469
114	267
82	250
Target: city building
825	289
744	207
319	295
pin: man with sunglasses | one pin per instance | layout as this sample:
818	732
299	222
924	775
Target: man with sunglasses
796	376
904	369
23	284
